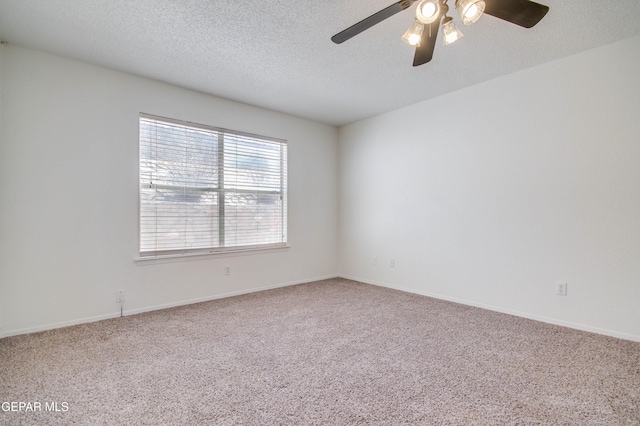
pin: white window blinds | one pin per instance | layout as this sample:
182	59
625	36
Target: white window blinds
205	189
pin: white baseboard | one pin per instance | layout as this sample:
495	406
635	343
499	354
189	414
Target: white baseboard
540	318
223	295
155	307
61	324
548	320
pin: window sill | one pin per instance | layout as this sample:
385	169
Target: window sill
204	255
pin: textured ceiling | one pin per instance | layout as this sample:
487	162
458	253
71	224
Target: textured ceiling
278	54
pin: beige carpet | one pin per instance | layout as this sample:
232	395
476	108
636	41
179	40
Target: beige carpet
328	352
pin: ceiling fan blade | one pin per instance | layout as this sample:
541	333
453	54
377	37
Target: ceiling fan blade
424	52
369	22
520	12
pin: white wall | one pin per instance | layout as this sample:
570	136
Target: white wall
541	185
491	194
69	167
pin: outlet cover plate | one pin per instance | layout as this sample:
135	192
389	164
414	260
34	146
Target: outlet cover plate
561	288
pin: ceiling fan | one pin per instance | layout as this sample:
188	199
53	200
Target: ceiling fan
430	14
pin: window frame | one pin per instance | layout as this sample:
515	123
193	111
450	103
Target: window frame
220	190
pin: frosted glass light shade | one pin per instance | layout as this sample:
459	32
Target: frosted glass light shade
470	10
450	31
428	11
414	34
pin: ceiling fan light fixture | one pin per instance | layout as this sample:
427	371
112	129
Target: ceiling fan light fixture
414	34
428	11
470	10
434	14
450	31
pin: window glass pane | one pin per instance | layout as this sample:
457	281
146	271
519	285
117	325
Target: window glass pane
252	219
171	155
251	164
174	219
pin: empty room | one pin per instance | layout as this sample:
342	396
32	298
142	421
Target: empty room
310	213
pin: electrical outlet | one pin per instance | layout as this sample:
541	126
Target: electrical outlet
227	270
120	296
392	263
374	260
561	288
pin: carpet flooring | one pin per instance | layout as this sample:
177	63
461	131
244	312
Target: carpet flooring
333	352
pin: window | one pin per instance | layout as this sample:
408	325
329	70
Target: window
205	190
